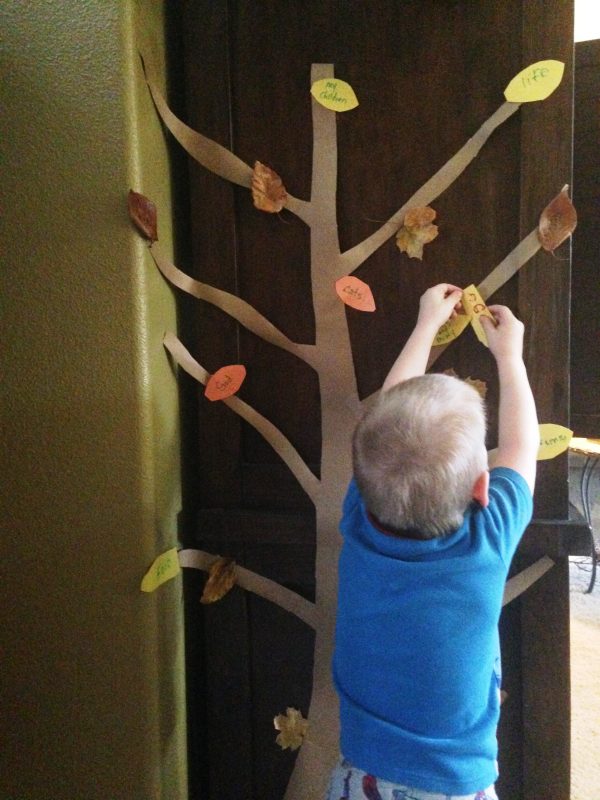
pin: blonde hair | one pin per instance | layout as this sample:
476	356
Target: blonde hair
418	453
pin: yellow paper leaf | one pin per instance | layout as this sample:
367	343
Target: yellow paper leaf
334	94
554	440
535	82
221	579
557	221
417	230
451	329
268	192
475	307
292	727
164	567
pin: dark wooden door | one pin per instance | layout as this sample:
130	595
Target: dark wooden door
427	74
585	328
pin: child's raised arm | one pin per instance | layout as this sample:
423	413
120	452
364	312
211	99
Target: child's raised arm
518	433
436	307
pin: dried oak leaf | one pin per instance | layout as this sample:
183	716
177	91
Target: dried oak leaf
142	213
268	191
221	578
557	221
292	727
417	230
479	386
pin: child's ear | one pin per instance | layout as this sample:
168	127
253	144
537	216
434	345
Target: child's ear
480	489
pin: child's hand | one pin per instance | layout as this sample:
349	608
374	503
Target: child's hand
439	304
505	338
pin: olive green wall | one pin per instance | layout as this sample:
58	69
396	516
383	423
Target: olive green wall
92	672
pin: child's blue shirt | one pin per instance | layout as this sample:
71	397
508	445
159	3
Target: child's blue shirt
417	658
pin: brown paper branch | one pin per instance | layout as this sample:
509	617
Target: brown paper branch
213	156
282	446
513	262
252	582
520	583
434	187
205	151
232	305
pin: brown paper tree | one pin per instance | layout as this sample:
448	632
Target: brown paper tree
331	358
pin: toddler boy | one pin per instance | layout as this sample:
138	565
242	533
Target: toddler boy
429	535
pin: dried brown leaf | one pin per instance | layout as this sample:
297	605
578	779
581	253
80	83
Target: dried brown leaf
142	213
479	386
557	221
268	192
221	578
418	230
292	727
419	217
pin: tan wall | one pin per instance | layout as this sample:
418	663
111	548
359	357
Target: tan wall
92	672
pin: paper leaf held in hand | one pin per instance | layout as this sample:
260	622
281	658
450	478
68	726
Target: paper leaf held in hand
142	213
475	307
225	382
221	578
292	727
418	230
557	221
268	192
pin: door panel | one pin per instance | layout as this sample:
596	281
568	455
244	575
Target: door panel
428	75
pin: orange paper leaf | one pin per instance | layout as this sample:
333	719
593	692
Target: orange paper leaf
221	579
557	221
292	727
142	213
355	293
418	230
268	191
225	382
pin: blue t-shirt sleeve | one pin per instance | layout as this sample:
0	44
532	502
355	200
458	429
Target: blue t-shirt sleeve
509	511
351	503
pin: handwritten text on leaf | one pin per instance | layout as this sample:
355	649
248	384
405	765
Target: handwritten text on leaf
535	82
225	382
554	440
475	307
355	293
164	567
334	94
